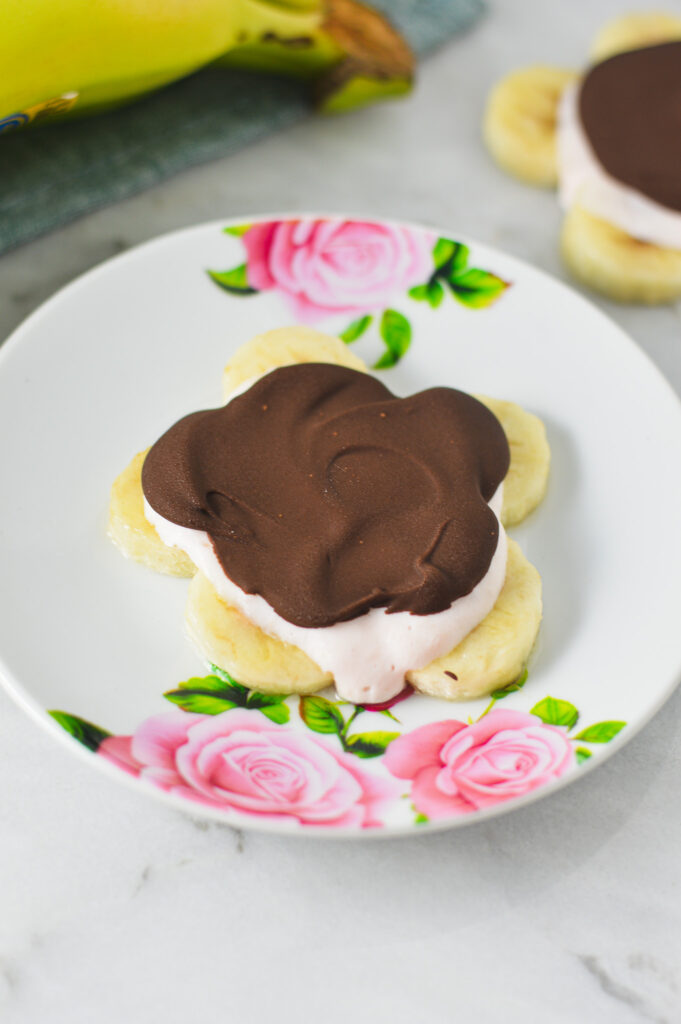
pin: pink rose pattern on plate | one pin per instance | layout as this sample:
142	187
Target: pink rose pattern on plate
326	267
240	761
237	751
323	267
457	768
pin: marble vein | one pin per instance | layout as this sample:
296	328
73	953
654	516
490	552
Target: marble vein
625	993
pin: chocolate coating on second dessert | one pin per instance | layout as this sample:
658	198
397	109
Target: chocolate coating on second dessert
630	107
327	495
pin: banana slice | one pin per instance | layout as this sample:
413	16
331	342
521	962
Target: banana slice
633	31
519	126
284	347
528	474
228	639
494	653
130	530
490	656
604	257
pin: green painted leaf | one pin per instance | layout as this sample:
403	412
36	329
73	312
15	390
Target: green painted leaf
264	700
277	713
459	260
238	687
356	329
369	744
443	250
476	288
208	695
582	754
601	732
222	685
234	281
420	819
207	684
199	703
396	333
237	229
556	712
431	292
517	684
450	257
436	294
91	736
388	713
271	704
320	715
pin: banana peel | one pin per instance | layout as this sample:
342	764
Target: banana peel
86	58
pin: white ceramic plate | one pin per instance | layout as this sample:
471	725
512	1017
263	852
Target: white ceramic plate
108	364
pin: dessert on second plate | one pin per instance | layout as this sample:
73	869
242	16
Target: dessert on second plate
342	534
611	140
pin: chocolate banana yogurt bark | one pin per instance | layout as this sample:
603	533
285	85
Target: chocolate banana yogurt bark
620	174
611	140
630	112
317	498
342	534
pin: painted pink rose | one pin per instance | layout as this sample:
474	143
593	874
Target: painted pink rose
240	761
323	267
458	768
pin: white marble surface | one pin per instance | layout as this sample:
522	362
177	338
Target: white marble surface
113	908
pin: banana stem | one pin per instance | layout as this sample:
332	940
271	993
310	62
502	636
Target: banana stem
352	52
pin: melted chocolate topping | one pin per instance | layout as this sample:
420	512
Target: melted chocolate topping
328	496
630	108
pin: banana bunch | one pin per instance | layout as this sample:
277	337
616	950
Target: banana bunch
76	57
519	129
490	656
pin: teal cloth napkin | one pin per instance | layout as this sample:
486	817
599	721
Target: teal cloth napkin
53	174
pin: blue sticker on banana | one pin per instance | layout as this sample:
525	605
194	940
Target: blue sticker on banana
39	111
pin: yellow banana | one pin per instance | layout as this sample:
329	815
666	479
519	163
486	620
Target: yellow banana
79	56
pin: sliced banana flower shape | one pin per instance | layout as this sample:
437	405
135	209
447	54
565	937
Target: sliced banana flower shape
491	656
